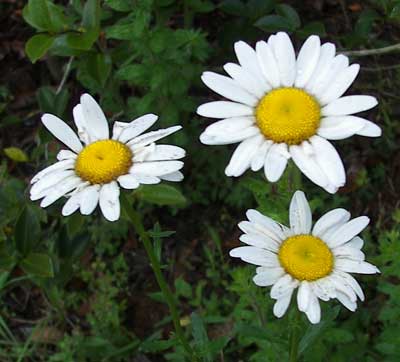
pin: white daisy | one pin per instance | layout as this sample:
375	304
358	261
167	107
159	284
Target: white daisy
285	107
317	261
92	173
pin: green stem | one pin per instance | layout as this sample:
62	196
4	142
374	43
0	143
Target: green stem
294	337
155	264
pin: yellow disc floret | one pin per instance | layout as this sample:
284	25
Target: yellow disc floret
306	257
288	115
103	161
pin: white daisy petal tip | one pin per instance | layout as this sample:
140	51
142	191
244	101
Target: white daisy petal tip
316	262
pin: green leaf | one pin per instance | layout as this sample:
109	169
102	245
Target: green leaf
233	7
51	102
365	22
43	15
90	30
313	28
201	338
272	23
38	264
258	8
161	195
99	67
120	5
289	13
16	154
27	230
37	46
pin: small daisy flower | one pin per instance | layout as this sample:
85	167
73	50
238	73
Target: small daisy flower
285	107
93	172
317	261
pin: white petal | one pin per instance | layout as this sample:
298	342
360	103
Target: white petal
224	109
255	256
268	277
150	137
340	84
348	253
229	126
327	53
109	201
268	63
228	88
282	304
307	60
241	158
330	72
225	138
95	119
260	241
246	79
331	219
370	130
147	179
248	59
303	296
300	214
341	127
62	131
275	162
58	166
356	243
352	282
89	199
286	59
80	121
329	161
264	225
349	105
353	266
345	300
71	205
176	176
66	155
313	311
38	190
283	286
309	166
128	182
258	160
137	127
60	190
156	168
347	231
166	152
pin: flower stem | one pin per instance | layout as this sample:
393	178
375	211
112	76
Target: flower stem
136	220
294	337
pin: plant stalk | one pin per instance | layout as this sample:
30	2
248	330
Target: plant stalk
134	216
294	337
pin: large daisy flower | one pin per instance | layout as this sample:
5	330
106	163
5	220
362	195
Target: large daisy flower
285	107
92	173
315	260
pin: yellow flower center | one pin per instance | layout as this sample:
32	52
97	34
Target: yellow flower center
306	257
103	161
288	115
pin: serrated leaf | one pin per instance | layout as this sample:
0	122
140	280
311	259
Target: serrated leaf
161	195
16	154
38	264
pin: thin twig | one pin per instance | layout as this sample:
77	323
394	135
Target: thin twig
378	51
65	76
380	69
346	15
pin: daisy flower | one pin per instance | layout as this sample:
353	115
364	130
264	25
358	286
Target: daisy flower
284	107
96	166
315	260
